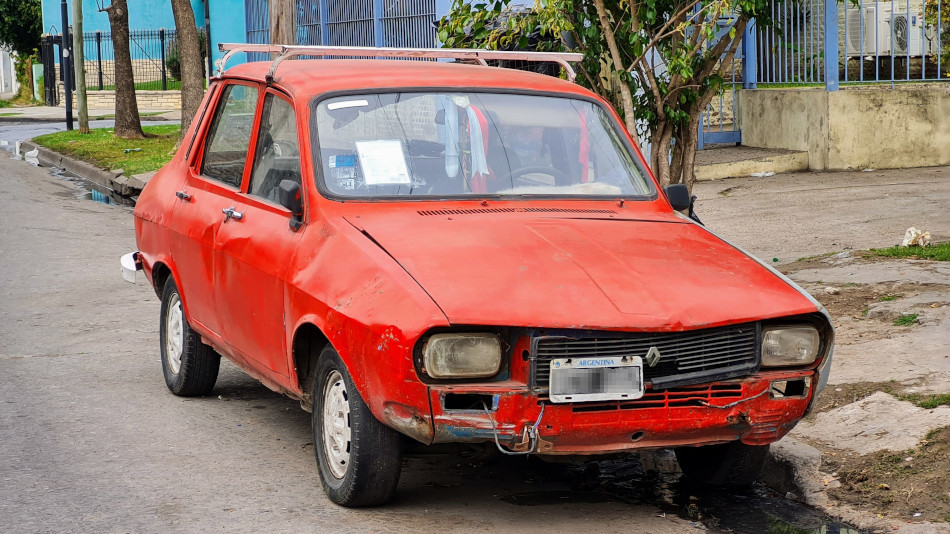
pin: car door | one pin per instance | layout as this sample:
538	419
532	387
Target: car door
211	185
254	249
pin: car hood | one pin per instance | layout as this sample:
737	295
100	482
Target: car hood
581	272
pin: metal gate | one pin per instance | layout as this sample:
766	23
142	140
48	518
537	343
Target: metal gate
396	23
51	47
720	120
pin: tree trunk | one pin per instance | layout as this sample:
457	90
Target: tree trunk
192	65
626	98
128	125
79	68
686	174
660	154
282	24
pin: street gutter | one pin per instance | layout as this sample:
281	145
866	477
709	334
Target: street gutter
116	181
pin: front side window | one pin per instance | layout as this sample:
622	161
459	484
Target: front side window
230	135
276	157
471	144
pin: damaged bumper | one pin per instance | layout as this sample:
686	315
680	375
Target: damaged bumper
756	410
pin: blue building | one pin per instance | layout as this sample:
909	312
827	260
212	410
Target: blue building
329	22
152	15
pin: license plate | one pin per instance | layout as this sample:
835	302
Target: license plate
596	379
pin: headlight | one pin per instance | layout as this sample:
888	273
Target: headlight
784	346
462	355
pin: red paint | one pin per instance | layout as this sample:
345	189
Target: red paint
376	276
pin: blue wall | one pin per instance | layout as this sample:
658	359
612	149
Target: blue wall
227	26
148	15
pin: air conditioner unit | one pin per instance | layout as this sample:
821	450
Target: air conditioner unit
869	30
907	31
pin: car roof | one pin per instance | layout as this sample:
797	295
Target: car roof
305	78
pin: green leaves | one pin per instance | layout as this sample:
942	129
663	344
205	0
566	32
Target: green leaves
20	25
666	49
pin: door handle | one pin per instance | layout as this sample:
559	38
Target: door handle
229	213
183	195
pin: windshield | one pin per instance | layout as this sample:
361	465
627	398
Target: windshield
472	144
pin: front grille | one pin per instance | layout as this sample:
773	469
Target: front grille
679	397
689	357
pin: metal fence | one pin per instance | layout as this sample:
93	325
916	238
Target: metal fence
154	53
399	23
870	41
257	22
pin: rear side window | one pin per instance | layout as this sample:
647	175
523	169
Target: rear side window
276	157
230	135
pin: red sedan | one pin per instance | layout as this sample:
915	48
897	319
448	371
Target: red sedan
462	253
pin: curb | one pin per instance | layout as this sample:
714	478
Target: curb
113	180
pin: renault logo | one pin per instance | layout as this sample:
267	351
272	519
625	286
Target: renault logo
653	356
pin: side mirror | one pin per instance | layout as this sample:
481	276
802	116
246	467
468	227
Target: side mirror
288	195
678	195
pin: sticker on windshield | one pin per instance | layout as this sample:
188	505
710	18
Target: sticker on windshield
383	162
343	160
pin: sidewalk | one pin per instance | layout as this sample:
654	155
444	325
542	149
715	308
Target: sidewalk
58	114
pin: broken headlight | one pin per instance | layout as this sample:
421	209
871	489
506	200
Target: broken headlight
784	346
462	355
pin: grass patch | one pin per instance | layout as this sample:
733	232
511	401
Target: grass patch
888	298
906	319
10	114
928	402
939	252
101	148
5	104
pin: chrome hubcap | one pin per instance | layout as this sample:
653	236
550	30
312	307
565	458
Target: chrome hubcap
174	334
336	424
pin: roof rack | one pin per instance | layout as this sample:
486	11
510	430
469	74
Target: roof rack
288	51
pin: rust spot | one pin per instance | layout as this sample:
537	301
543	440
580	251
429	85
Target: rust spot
406	420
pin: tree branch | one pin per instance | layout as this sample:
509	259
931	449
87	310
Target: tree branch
625	96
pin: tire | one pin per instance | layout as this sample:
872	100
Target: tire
190	367
730	464
359	458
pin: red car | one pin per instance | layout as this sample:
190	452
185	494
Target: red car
463	253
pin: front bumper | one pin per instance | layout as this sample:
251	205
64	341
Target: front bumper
750	410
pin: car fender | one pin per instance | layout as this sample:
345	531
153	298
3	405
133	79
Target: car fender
369	291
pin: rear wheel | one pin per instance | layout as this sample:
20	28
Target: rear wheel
190	367
359	457
728	464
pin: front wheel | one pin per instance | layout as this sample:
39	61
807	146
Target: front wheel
359	457
190	367
727	464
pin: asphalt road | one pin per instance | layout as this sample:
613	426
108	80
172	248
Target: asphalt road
92	441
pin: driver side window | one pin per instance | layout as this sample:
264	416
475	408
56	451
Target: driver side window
276	157
230	135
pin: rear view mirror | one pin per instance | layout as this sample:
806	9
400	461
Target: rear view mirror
678	195
288	195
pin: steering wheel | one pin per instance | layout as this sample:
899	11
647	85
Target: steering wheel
284	148
560	177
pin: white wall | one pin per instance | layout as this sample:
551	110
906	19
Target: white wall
8	81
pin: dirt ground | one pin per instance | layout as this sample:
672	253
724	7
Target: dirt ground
914	483
884	459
